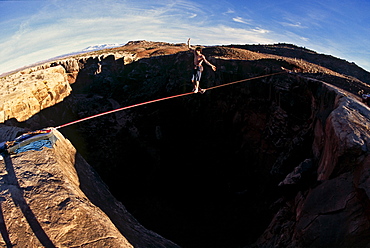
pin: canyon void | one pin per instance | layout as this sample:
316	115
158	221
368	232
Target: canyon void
275	161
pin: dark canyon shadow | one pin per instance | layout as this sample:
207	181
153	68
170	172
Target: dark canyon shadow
202	170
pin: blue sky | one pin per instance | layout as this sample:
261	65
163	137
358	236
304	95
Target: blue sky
35	30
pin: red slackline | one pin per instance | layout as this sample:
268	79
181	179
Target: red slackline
120	109
161	99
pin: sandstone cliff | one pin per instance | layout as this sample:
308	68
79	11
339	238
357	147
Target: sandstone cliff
333	211
52	198
24	94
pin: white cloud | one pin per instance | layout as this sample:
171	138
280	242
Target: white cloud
241	20
260	30
223	34
229	11
293	25
304	38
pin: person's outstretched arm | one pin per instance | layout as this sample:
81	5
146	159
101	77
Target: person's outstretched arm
189	46
208	63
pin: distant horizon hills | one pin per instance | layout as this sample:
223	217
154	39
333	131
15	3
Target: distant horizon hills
85	50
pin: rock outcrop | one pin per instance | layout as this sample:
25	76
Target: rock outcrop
26	93
333	211
52	198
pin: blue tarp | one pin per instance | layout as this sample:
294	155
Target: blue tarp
36	146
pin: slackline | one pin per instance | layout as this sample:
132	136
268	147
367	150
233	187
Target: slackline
162	99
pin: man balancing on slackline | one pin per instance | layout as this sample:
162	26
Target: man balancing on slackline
199	58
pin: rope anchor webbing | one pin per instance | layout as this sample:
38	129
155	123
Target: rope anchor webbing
161	99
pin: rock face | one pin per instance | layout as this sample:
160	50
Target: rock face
282	161
26	93
333	212
52	198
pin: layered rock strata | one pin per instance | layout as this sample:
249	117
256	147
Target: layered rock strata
24	94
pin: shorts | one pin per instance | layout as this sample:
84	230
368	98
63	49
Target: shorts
197	73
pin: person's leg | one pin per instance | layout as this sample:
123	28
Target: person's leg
199	76
196	86
195	81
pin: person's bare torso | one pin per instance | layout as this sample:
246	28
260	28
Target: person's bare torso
198	59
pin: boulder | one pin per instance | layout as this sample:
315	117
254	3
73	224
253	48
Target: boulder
346	138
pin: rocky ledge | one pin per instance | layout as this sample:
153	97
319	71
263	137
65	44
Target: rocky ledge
53	198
